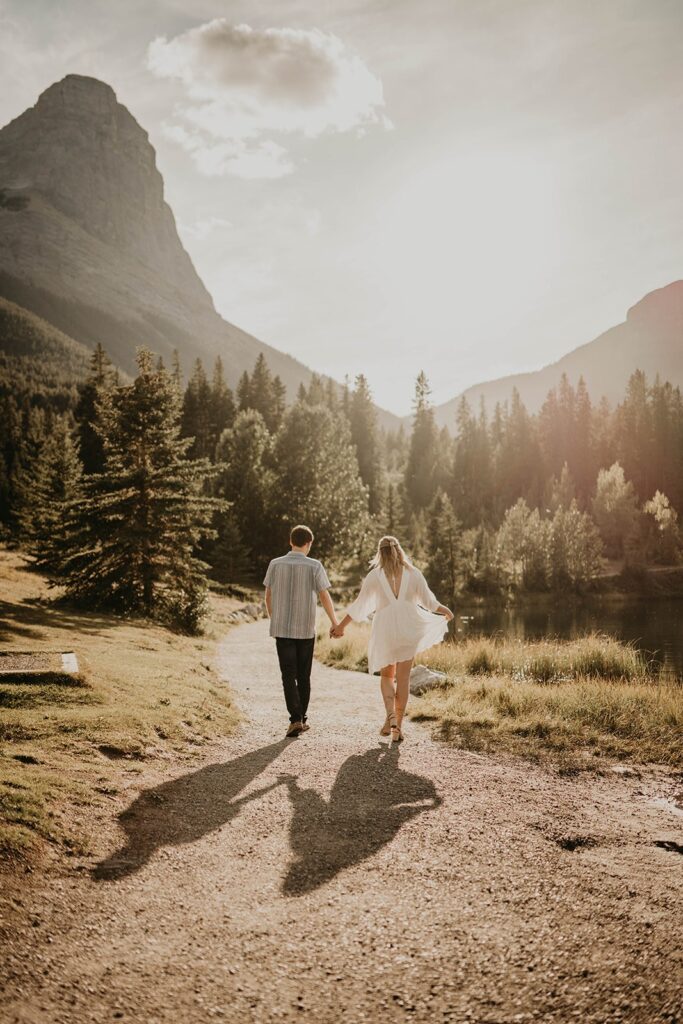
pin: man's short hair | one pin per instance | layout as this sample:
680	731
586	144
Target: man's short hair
300	536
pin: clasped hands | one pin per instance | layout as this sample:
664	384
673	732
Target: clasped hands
336	632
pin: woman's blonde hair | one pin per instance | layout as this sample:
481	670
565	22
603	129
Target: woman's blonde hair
390	556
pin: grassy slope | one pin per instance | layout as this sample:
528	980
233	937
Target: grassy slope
144	693
567	699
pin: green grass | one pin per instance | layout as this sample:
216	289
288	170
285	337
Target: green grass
573	700
143	693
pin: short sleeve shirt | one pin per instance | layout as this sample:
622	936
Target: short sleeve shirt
295	581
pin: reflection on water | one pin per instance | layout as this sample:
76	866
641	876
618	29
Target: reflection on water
655	627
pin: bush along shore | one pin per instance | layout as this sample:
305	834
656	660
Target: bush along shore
575	700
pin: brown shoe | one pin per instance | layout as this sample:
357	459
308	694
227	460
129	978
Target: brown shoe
294	729
305	727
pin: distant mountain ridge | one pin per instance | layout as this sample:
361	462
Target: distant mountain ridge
650	339
88	242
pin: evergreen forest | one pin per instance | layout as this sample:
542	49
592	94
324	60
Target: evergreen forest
134	494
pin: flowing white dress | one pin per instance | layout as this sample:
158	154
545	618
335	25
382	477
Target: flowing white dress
402	626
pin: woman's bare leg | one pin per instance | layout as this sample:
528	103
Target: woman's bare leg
402	689
387	685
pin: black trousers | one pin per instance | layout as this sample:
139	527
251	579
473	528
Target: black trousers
296	660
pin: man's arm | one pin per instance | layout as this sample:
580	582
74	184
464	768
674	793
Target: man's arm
338	630
326	602
269	602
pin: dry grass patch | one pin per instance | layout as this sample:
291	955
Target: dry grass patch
144	692
565	699
622	720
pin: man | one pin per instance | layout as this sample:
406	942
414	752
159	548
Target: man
293	584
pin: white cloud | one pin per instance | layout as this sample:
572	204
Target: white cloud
246	85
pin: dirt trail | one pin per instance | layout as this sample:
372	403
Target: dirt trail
328	878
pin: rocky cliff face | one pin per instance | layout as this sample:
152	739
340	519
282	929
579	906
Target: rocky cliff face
88	242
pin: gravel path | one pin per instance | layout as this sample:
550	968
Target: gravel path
331	878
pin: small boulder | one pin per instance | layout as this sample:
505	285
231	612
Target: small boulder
423	679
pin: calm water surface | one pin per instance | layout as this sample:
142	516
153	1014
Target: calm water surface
654	626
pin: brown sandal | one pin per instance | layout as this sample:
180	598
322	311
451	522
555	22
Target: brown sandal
386	728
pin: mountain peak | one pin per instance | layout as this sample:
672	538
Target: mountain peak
78	90
661	309
83	152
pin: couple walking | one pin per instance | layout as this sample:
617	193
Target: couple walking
407	619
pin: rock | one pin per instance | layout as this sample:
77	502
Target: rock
423	679
88	241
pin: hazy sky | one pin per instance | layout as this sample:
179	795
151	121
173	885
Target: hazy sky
469	187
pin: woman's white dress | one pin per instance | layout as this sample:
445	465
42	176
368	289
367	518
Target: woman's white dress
402	626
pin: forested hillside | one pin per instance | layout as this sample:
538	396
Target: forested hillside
38	362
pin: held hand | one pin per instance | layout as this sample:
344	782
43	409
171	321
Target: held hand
336	632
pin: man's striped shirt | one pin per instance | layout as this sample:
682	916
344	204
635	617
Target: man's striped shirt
295	581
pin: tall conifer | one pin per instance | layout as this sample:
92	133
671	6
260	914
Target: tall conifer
102	378
363	422
420	474
132	536
55	485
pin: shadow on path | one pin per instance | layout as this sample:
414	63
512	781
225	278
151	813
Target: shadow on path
370	800
186	809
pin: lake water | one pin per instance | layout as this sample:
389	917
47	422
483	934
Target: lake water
654	626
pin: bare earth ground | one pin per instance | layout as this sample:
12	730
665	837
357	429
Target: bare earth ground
330	878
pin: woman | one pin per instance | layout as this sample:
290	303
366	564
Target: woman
404	624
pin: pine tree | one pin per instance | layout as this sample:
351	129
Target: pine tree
471	473
392	515
331	396
261	390
196	417
518	469
444	547
227	554
55	485
102	378
582	454
363	423
222	405
420	472
33	433
316	390
634	433
346	398
603	428
176	372
4	497
131	537
10	441
279	404
244	392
